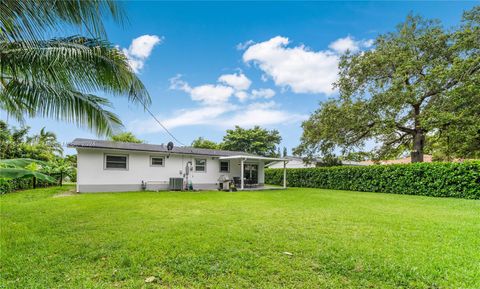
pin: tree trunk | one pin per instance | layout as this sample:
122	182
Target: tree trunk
418	145
418	137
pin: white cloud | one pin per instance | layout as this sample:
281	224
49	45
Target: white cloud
237	80
176	82
224	116
348	43
262	116
198	116
343	45
208	94
140	49
244	45
242	95
263	105
184	117
299	68
215	108
215	94
211	94
254	94
302	70
263	93
142	46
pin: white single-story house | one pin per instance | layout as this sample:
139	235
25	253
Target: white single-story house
108	166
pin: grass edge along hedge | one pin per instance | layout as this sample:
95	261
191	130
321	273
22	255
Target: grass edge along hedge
458	180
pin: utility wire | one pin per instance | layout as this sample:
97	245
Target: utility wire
156	119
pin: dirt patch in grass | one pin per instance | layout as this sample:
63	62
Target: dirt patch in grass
69	193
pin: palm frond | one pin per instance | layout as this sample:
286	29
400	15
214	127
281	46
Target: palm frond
77	62
38	98
20	163
20	168
21	20
15	173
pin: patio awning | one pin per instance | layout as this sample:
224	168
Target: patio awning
260	158
243	158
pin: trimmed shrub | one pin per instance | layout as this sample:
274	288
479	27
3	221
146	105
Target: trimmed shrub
11	185
459	180
7	186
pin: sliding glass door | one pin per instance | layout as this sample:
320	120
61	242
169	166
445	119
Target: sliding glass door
250	173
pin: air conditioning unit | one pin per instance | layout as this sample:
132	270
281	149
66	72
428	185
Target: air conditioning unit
175	184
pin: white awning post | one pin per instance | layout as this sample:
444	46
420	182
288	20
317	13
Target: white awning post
284	174
241	174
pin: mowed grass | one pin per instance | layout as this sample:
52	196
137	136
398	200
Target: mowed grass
337	239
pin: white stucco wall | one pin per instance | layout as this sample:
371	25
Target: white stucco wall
92	172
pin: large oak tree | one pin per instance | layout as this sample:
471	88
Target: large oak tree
417	87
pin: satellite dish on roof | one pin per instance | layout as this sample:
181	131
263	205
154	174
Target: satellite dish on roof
170	146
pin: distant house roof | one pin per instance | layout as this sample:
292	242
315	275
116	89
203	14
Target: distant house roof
104	144
405	160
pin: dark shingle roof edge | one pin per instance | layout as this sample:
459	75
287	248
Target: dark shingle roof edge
105	144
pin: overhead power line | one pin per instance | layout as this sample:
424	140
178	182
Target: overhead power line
160	123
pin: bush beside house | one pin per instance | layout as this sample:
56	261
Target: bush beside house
459	180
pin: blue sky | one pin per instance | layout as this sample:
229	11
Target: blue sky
209	66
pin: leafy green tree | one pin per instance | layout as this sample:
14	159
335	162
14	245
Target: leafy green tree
285	152
255	140
11	141
56	77
16	143
72	159
205	144
61	167
328	161
126	137
418	81
358	156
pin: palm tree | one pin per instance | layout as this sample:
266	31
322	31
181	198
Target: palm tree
56	77
47	139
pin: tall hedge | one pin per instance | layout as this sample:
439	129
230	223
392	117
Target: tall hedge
459	180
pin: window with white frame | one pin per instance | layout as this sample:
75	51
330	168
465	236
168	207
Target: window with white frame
200	165
224	166
156	161
116	162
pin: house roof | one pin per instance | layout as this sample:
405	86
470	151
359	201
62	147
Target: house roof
405	160
104	144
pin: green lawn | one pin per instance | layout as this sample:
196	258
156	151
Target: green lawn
237	240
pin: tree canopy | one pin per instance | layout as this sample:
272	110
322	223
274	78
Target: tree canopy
256	140
17	143
417	90
126	137
205	144
23	155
